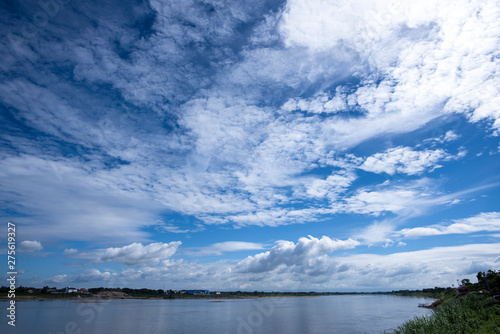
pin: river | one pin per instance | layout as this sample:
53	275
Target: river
341	314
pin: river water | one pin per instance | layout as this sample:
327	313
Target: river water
343	314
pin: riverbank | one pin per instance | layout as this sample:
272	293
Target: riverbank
111	293
29	293
470	314
473	309
117	295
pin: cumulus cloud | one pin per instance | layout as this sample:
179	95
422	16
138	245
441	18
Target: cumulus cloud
31	246
59	278
287	253
135	254
88	276
359	272
442	263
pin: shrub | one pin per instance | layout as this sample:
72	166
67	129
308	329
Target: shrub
469	314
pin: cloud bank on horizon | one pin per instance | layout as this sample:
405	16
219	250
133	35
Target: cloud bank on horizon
195	144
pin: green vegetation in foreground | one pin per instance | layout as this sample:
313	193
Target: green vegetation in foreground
475	313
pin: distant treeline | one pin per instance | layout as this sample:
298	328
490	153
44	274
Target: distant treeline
144	292
487	281
436	292
53	292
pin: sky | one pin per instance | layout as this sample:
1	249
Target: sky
343	145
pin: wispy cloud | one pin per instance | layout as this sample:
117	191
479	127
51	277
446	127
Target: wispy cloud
387	232
447	137
221	248
484	222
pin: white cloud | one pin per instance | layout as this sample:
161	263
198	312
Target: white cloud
309	267
428	58
386	233
404	160
221	248
90	276
240	158
319	25
59	278
234	246
398	200
483	222
319	104
100	209
377	232
447	137
135	254
412	269
404	199
331	187
31	246
450	136
171	228
286	253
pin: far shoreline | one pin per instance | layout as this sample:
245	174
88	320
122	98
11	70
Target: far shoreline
96	298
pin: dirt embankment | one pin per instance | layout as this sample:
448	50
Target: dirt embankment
110	295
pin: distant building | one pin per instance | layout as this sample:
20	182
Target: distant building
70	290
462	290
196	292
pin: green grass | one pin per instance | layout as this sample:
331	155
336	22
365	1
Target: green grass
471	314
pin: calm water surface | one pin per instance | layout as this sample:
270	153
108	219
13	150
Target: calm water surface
326	314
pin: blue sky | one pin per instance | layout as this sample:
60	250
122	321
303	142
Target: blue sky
264	145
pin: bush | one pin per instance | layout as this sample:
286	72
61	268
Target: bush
469	314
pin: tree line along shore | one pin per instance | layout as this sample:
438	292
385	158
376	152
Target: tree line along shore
129	293
488	282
